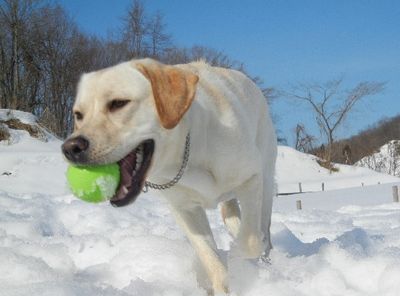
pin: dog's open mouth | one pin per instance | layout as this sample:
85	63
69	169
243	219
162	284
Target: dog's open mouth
133	170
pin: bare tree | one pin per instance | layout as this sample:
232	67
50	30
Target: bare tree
159	39
346	153
135	29
304	141
144	35
332	105
14	16
59	53
112	51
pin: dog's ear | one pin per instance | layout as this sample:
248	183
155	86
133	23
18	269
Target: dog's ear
173	90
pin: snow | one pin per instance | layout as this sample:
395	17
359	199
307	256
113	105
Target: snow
345	241
108	186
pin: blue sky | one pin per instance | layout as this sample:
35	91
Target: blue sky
284	42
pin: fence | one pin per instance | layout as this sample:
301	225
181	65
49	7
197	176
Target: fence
302	191
299	206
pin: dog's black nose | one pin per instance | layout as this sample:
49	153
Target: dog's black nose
74	149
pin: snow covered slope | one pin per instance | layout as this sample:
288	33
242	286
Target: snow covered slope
294	167
344	242
386	160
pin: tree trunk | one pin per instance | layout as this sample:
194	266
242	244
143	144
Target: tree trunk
329	150
14	62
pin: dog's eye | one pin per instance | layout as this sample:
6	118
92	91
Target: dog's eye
117	104
78	115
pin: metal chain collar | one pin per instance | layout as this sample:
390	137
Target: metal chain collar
148	184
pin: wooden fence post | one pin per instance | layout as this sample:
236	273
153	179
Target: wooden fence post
300	188
323	186
395	191
298	204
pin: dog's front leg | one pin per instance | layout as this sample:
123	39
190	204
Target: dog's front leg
194	222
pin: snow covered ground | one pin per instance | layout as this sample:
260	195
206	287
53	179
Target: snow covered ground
345	241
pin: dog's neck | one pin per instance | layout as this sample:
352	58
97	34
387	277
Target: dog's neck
165	166
178	175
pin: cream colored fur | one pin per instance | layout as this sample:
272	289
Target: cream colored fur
233	150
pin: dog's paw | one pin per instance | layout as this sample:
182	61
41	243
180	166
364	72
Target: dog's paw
250	247
220	287
264	261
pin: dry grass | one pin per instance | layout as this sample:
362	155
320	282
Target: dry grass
15	123
328	165
4	134
49	122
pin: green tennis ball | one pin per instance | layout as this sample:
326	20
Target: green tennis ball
94	183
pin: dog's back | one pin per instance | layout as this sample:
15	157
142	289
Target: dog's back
236	126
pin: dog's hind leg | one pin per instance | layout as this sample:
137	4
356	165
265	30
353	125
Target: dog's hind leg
250	241
230	212
268	194
193	219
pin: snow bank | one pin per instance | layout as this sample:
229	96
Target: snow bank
20	134
25	117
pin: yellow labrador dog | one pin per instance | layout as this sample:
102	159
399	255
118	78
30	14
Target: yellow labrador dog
149	117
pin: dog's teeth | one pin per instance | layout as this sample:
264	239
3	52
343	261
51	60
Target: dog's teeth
125	190
139	160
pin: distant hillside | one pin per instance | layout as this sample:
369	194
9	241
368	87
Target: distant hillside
294	167
368	142
386	160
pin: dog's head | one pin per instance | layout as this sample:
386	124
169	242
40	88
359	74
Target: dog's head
119	114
